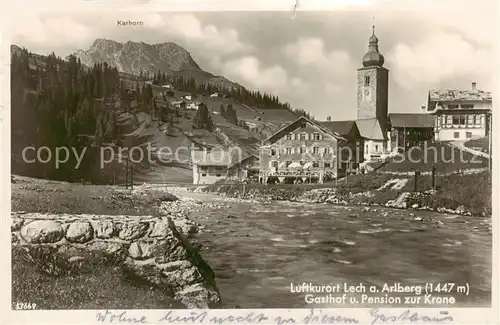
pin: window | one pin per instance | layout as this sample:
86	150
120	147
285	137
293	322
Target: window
467	106
218	175
367	80
315	150
273	152
302	162
327	151
470	119
454	106
289	136
302	149
458	119
468	135
289	151
477	120
203	174
317	136
302	136
303	125
456	135
449	120
315	164
274	164
376	147
327	165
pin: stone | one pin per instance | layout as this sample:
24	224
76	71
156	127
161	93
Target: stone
198	297
141	250
42	231
16	224
160	229
105	247
133	230
75	259
104	229
79	232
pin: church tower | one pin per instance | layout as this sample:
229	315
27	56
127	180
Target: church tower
373	85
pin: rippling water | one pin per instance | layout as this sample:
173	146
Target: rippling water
258	249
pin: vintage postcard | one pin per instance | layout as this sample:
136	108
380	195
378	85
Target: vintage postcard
315	162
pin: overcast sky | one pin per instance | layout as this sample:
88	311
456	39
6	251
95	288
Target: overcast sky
309	61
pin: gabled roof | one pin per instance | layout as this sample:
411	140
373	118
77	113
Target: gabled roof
411	120
370	129
459	95
293	126
237	162
215	157
341	127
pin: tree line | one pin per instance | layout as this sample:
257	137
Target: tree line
62	103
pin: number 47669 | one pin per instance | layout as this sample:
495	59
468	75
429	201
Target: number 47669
25	306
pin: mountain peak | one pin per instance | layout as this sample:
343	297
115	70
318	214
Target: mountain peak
136	57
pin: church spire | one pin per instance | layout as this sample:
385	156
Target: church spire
373	56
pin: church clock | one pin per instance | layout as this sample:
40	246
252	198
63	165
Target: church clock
366	94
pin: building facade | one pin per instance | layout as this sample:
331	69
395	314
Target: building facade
247	168
349	131
303	151
410	130
210	166
460	114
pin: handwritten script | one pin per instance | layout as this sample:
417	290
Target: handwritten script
407	316
312	316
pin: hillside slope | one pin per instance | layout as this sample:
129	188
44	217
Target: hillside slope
108	118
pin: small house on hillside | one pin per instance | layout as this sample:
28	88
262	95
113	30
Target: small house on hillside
179	104
167	86
214	94
193	106
190	97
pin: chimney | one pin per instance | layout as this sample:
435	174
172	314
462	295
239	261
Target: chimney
328	118
424	108
473	86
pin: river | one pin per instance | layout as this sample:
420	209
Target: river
258	250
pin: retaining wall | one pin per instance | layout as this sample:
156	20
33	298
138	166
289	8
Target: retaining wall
155	249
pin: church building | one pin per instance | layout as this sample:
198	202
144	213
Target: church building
372	94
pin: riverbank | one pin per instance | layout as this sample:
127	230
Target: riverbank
455	193
97	247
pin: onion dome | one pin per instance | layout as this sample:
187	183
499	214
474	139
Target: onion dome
373	56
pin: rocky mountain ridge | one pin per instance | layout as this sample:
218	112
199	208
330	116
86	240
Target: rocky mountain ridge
134	57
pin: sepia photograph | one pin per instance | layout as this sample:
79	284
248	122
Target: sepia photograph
253	160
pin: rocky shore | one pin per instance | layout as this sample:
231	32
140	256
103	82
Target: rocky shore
391	199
